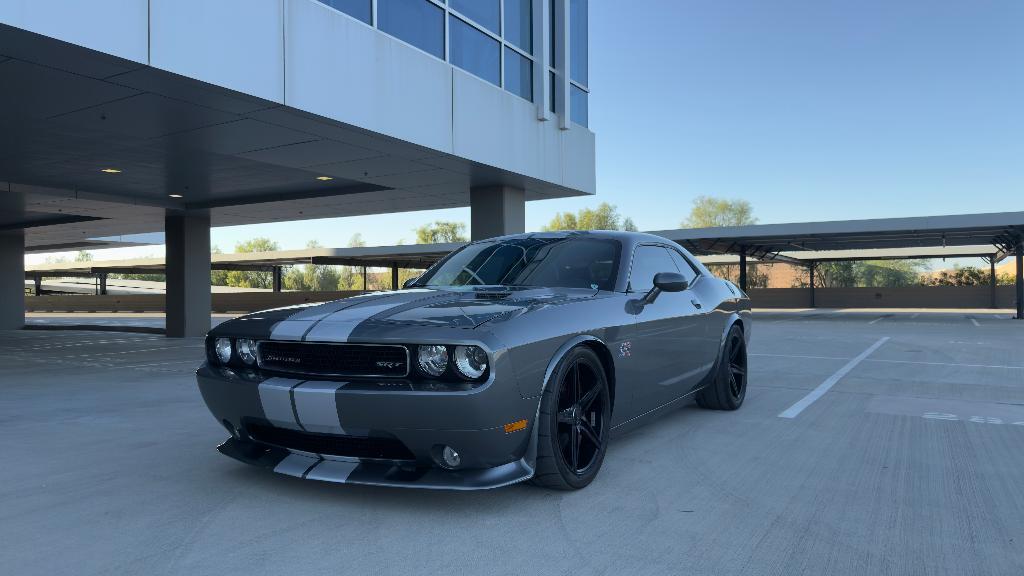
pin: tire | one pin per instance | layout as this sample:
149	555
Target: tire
575	408
729	386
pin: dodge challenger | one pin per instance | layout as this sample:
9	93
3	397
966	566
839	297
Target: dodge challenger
515	358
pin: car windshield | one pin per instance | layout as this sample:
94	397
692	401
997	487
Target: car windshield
561	262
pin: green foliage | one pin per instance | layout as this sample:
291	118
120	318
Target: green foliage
349	278
966	276
83	256
868	273
709	212
604	217
757	274
249	279
218	277
1006	279
441	231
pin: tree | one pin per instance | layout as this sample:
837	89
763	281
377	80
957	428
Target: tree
441	231
889	273
83	256
966	276
311	277
218	277
251	279
709	212
604	217
348	278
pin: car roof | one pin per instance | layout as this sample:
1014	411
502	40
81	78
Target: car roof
623	236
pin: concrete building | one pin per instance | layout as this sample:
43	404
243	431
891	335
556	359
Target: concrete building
125	117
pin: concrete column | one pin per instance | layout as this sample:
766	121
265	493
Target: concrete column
743	269
394	277
811	270
188	273
103	283
1020	280
278	280
496	211
12	280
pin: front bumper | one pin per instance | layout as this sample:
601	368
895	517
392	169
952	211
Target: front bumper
410	421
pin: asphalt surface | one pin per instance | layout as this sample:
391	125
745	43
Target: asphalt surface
911	461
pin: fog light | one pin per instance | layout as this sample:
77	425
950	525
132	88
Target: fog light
451	457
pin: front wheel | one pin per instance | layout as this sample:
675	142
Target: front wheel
729	386
574	424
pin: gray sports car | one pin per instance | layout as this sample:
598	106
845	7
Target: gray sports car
511	359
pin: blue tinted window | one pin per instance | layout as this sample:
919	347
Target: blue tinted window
552	88
519	24
518	74
578	112
417	22
474	51
360	9
486	13
578	57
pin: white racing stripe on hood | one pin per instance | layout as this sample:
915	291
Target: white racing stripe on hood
276	398
339	326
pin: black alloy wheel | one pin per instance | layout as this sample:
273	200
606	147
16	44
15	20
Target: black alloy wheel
729	386
575	422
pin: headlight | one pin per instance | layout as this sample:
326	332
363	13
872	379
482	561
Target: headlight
246	350
433	359
471	361
222	346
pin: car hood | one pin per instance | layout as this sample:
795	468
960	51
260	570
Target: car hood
468	308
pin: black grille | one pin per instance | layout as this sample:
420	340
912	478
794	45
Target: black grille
334	359
331	445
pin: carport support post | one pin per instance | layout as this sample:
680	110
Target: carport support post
810	269
743	268
1020	279
364	278
12	280
394	276
992	278
188	272
496	211
39	285
276	271
103	283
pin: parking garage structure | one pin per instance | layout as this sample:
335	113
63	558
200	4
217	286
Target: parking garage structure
275	111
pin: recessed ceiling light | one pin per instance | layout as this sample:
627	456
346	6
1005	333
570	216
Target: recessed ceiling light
110	171
175	195
324	178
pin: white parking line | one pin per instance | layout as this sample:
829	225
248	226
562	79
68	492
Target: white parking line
876	319
795	410
975	322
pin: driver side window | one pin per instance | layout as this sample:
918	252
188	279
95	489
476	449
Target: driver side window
648	261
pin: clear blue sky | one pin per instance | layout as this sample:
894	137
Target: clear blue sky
809	109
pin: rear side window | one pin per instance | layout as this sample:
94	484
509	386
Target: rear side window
648	261
685	268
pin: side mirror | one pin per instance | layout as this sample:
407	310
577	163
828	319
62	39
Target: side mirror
409	282
666	282
670	282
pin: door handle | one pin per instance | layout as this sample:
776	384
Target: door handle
695	302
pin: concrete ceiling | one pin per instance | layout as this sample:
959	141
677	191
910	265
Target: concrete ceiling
66	113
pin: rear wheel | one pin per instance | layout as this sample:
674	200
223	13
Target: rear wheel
575	417
729	386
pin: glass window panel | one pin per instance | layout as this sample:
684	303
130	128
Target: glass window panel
519	24
578	52
474	51
552	35
359	9
486	13
578	111
648	261
518	74
417	22
551	90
